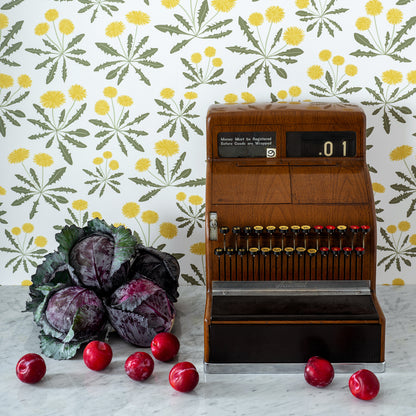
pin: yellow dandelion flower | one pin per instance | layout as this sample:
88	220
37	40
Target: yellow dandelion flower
40	241
113	165
391	229
411	77
98	161
394	16
275	14
66	27
373	7
401	152
110	92
210	51
325	55
181	196
51	15
167	93
80	205
295	91
256	19
404	226
190	95
248	98
282	94
18	155
28	228
130	210
168	230
2	191
166	147
96	214
198	249
398	282
230	98
16	231
114	29
150	217
24	81
41	29
351	70
223	5
6	81
293	36
102	107
125	100
43	159
4	21
77	92
52	99
107	155
196	58
315	72
302	4
217	62
378	187
338	60
142	165
196	200
26	282
170	4
363	23
392	77
138	18
412	240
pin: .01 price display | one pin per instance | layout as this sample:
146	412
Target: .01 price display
320	144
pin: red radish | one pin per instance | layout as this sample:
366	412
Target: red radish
30	368
183	377
318	372
139	366
364	384
164	346
97	355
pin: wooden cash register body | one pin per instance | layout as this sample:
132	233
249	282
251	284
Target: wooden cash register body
269	310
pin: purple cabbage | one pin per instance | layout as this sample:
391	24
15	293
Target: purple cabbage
159	267
139	310
68	317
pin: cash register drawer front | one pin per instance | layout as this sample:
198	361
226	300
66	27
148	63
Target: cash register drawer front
294	343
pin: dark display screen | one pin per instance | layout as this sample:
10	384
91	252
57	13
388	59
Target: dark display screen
320	144
247	144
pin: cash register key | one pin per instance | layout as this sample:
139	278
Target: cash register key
241	251
323	251
224	230
295	229
277	251
218	251
335	251
253	251
341	229
347	251
265	251
318	229
247	231
236	230
283	229
360	251
300	251
270	229
289	251
305	229
258	229
365	229
312	252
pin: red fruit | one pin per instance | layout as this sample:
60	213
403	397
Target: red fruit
97	355
364	384
30	368
318	372
164	346
139	366
183	377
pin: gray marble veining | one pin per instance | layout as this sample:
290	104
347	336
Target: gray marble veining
70	388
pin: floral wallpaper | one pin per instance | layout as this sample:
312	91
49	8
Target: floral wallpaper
103	105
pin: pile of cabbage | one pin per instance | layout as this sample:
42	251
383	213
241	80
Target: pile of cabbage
100	279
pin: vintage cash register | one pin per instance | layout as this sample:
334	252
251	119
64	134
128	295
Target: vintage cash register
290	240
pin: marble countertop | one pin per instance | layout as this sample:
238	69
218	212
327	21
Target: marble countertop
70	388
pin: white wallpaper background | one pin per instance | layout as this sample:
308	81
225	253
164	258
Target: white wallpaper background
103	104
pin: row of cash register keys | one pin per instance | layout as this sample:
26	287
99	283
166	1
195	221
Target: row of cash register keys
293	241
